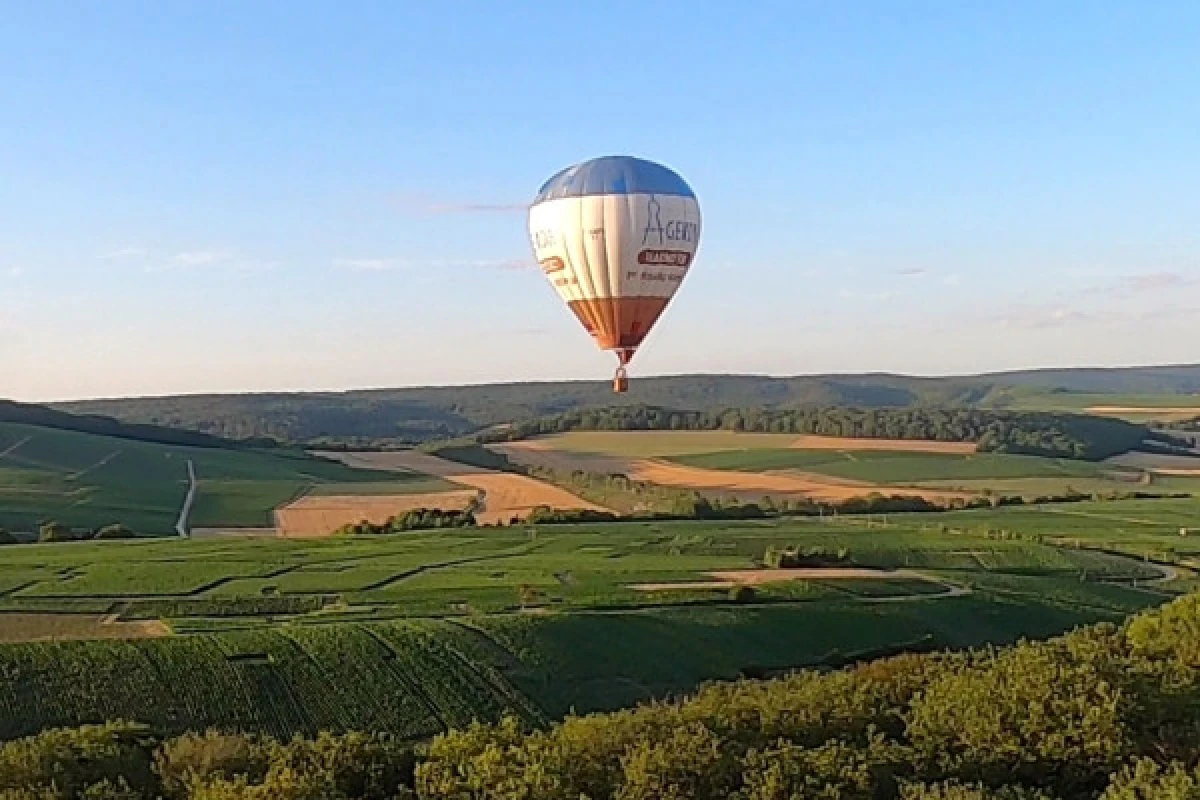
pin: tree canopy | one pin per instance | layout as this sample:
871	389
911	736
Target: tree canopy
1103	713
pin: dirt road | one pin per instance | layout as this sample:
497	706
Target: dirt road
181	524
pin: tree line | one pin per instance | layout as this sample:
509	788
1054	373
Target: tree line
1105	712
51	531
1078	436
417	519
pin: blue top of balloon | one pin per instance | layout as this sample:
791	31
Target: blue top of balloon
614	175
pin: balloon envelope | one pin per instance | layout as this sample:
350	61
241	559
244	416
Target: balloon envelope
616	237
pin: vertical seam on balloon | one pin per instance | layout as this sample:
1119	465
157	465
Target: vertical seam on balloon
585	272
602	246
566	251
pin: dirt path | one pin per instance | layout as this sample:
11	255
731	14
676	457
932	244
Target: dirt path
505	496
1166	574
728	579
181	524
746	485
20	626
246	533
848	444
1050	509
74	476
13	448
952	590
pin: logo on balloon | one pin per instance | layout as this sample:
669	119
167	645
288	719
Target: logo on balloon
665	258
674	230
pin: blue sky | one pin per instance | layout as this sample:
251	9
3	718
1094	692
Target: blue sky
228	196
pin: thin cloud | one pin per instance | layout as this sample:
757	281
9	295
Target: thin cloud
1155	281
511	264
1143	283
368	264
1065	316
124	254
421	204
201	258
212	259
1044	317
912	272
12	271
388	264
478	208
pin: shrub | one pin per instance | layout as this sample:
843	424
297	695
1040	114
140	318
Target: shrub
202	757
1147	780
56	532
116	756
115	531
742	594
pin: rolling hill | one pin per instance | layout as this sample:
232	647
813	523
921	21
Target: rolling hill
421	414
88	472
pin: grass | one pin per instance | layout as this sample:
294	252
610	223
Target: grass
88	481
414	632
1001	473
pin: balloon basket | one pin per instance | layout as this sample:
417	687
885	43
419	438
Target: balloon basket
620	381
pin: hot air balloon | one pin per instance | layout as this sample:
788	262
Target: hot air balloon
616	237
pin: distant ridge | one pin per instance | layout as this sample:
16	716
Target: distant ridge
46	417
420	414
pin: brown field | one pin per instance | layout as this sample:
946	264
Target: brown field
666	444
320	515
807	442
505	496
1156	412
209	533
745	485
32	627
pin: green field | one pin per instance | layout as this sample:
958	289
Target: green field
662	444
1042	400
1028	476
999	473
419	631
87	481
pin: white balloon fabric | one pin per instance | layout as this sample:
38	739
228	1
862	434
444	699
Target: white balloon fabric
616	237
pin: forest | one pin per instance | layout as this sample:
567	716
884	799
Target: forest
1106	711
388	417
1027	432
